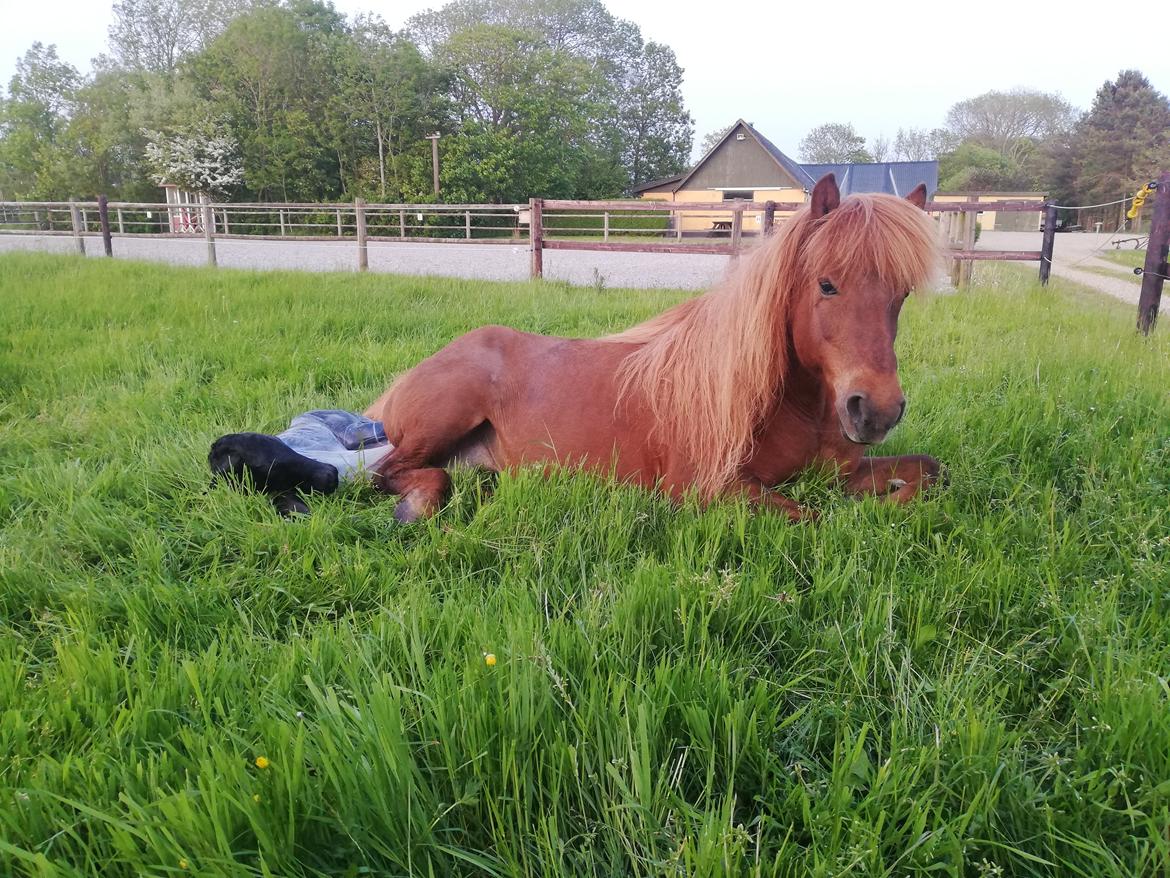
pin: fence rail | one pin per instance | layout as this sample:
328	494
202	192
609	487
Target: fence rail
712	228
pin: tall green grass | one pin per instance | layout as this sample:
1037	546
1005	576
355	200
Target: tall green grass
975	684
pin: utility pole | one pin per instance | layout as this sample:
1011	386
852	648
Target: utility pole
434	139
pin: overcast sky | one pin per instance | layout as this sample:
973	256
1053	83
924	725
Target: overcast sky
789	67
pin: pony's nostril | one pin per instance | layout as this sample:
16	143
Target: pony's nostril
853	407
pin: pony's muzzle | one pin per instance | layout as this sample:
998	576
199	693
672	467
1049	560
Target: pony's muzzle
866	422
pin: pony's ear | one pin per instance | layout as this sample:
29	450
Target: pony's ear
825	196
918	196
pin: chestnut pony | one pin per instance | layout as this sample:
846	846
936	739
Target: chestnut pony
788	364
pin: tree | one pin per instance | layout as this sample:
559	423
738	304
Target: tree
656	130
972	167
711	139
155	35
628	117
920	145
33	120
1011	122
270	76
390	95
880	149
199	158
1117	145
833	142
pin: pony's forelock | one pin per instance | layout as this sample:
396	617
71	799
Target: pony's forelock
711	368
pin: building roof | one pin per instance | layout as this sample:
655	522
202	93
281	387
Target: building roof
893	178
657	184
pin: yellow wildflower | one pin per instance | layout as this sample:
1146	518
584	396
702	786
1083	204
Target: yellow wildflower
183	864
489	659
256	798
262	762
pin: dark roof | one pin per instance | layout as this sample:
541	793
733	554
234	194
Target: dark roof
654	184
893	178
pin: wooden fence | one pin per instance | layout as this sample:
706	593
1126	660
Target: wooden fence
957	220
544	224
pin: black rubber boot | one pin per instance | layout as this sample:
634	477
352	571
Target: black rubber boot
273	468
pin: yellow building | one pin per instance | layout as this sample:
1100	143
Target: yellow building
746	165
1008	221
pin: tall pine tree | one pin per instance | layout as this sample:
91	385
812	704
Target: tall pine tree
1115	146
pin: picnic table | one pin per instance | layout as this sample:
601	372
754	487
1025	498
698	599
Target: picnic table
721	226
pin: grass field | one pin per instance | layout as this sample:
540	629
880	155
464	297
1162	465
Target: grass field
1128	258
976	684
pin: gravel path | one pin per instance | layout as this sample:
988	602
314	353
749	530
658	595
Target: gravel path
472	261
1072	254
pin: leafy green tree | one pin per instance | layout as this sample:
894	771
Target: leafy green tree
271	73
834	142
655	128
972	167
626	120
33	120
389	96
1118	144
1011	122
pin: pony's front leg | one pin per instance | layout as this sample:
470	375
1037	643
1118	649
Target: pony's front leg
897	479
760	496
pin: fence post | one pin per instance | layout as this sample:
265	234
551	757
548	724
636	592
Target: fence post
678	223
769	218
967	266
467	222
359	217
226	227
605	226
536	236
281	214
208	228
1157	255
121	227
736	227
1047	243
339	223
402	223
104	219
75	219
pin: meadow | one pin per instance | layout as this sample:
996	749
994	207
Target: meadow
976	684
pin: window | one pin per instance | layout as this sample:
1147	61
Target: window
732	194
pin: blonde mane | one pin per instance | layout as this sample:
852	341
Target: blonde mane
711	369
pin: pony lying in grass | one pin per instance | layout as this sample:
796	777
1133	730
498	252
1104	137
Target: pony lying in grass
788	364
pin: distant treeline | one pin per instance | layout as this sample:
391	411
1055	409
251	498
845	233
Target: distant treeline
292	101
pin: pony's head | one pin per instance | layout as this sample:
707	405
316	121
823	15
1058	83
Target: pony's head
856	260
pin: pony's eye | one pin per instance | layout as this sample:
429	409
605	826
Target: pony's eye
827	288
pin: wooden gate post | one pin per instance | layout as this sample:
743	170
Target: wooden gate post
359	217
769	218
736	227
75	219
1047	243
536	236
1157	255
208	228
104	218
467	224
